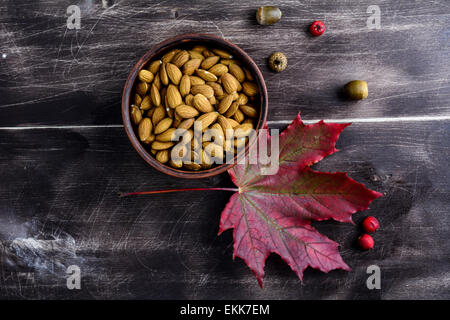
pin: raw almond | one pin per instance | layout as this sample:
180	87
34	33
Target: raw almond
179	152
189	100
239	116
186	124
163	75
240	142
136	115
207	53
146	76
163	125
230	83
237	72
176	163
146	103
209	62
226	125
156	97
215	134
202	104
157	81
227	62
142	88
158	115
180	58
192	166
196	80
137	99
212	100
196	55
225	104
248	75
186	112
250	88
159	145
219	70
174	73
190	66
232	110
248	111
185	85
213	150
167	135
173	96
149	139
162	156
233	122
154	66
199	48
145	129
169	55
218	91
204	89
206	75
243	130
242	99
207	119
222	53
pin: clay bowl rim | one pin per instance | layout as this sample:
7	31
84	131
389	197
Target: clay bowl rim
158	50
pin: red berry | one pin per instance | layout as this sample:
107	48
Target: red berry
366	242
317	28
370	224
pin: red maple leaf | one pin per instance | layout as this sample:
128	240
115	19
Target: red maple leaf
273	213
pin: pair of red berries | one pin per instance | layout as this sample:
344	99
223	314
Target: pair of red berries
370	224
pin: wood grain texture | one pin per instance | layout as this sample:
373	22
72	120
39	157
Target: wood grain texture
59	188
62	189
54	75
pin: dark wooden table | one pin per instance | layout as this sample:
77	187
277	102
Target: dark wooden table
64	156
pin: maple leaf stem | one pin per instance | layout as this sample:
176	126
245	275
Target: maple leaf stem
126	194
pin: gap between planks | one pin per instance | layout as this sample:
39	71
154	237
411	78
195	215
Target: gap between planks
347	120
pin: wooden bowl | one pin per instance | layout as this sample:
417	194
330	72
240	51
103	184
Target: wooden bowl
156	52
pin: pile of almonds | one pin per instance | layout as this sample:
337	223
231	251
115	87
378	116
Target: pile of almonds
198	87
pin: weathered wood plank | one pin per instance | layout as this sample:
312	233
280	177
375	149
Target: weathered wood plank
60	190
53	75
